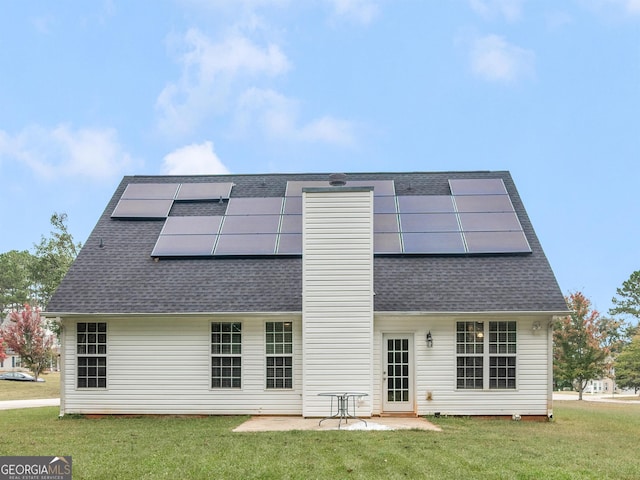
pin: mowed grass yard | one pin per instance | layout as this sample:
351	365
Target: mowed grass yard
10	390
586	440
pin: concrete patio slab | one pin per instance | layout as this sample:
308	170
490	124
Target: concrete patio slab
287	423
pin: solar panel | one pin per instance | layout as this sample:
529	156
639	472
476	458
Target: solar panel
483	203
138	208
204	191
434	243
429	222
290	244
253	244
239	224
387	243
384	204
150	191
291	224
255	206
293	205
489	222
497	242
184	245
385	222
477	186
477	218
425	204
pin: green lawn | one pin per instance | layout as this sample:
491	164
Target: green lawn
10	390
586	440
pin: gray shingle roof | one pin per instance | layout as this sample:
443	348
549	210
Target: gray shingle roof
121	277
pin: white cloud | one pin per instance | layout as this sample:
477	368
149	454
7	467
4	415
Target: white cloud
496	60
362	11
195	159
511	10
278	118
89	153
609	7
209	71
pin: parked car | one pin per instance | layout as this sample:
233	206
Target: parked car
20	377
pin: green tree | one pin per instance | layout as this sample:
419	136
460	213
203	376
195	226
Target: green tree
627	301
27	336
627	365
54	256
579	354
15	279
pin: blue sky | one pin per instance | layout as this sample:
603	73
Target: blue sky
549	90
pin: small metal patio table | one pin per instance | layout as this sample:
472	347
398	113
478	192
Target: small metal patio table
342	399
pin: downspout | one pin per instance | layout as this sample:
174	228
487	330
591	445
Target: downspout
62	365
550	368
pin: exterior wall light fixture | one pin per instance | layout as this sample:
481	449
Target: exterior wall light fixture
429	339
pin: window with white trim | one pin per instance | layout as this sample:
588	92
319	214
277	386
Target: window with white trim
226	350
486	360
279	350
91	349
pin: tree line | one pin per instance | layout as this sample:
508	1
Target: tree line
591	346
27	283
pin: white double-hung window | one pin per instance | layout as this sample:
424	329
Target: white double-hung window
226	359
279	354
486	355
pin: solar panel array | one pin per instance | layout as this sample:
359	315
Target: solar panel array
154	200
477	218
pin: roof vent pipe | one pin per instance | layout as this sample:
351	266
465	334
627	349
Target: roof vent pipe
337	179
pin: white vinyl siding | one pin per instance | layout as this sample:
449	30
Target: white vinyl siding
162	365
435	367
337	285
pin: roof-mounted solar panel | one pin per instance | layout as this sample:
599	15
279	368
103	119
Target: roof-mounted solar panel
204	191
150	191
387	243
384	204
425	204
497	242
246	244
142	208
255	206
433	243
490	222
429	222
385	222
289	244
240	224
184	245
291	224
483	203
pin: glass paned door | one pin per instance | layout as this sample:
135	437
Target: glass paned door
397	374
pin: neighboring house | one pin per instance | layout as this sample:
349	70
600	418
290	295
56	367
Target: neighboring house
13	362
252	294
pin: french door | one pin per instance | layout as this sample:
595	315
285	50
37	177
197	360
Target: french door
397	373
